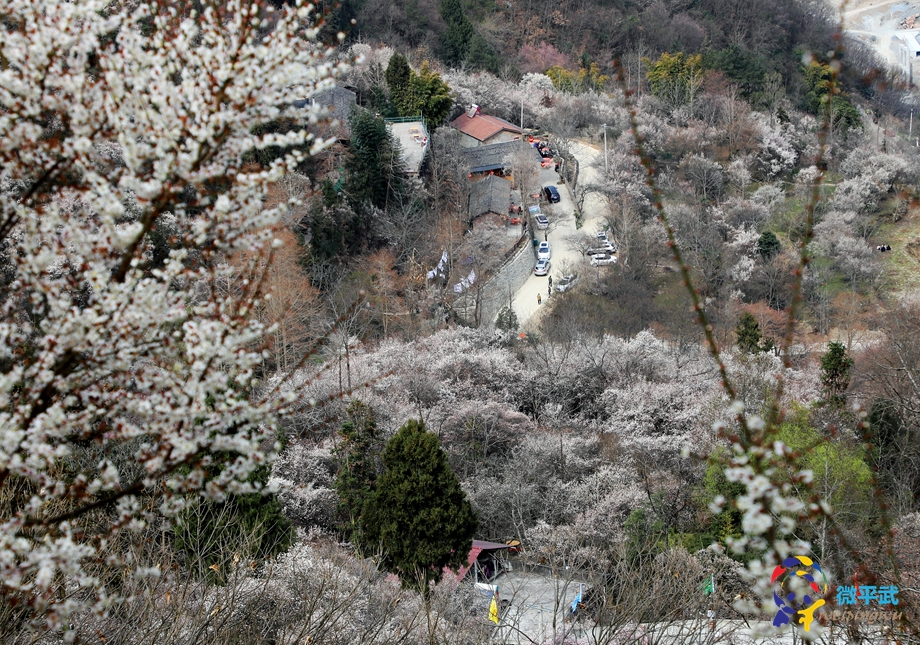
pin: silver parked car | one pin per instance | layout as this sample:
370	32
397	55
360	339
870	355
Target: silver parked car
566	282
603	260
606	248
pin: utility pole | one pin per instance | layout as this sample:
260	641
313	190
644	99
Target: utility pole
606	168
522	110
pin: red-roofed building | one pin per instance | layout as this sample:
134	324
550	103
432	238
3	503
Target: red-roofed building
479	129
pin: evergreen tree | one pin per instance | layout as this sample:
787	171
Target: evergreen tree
428	95
357	474
818	80
373	169
481	55
835	371
455	42
741	66
749	335
211	534
398	75
418	515
768	245
507	320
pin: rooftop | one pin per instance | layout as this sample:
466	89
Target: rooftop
493	155
482	126
413	139
490	195
340	102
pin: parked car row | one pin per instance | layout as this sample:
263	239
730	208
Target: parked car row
603	254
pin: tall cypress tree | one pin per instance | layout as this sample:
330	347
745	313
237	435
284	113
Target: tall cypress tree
397	76
373	170
419	516
835	372
356	480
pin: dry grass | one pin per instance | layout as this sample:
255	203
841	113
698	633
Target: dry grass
902	265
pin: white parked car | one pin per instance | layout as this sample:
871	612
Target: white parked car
542	222
544	252
542	267
603	260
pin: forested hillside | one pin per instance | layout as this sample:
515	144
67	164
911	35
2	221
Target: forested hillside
742	40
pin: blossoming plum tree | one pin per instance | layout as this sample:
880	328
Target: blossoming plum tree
123	375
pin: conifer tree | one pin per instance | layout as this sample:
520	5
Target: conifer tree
835	371
419	516
357	475
768	245
748	333
397	76
455	42
373	169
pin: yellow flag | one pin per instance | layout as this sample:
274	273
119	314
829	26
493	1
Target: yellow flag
493	610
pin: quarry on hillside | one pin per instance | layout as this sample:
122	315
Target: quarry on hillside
892	27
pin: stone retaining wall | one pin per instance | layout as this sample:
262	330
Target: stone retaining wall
494	293
507	280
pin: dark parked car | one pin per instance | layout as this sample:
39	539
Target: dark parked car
551	194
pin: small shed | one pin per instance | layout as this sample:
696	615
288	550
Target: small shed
490	195
340	102
486	561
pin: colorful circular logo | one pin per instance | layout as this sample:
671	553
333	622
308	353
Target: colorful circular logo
799	585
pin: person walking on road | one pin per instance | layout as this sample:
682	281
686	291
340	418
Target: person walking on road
539	299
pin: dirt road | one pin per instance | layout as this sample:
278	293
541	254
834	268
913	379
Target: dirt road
875	21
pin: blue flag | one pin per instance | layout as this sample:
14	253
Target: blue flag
577	599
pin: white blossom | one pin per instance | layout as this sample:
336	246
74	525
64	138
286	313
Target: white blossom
145	108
